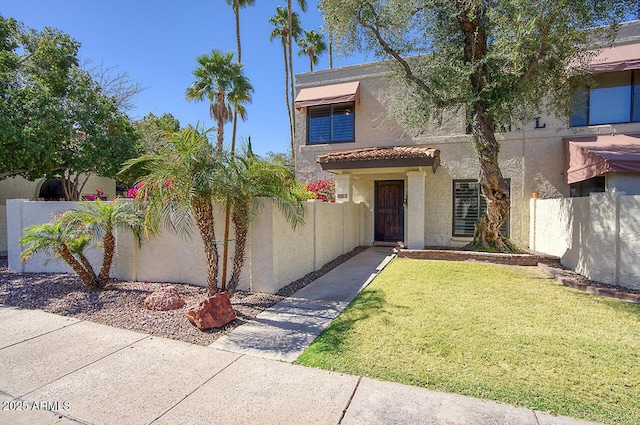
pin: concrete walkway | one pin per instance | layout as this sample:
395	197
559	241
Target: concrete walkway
60	370
285	330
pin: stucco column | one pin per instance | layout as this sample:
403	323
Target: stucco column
343	187
415	209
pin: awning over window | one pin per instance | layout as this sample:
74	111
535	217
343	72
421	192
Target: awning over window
587	157
324	95
618	58
396	156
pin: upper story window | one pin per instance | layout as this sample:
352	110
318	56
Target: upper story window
615	99
333	123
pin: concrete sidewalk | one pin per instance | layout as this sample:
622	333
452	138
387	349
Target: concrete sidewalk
285	330
59	370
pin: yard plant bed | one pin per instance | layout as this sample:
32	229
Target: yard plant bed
494	332
121	303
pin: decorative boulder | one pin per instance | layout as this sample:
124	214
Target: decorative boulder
164	299
214	312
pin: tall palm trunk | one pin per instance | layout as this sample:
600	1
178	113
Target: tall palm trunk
220	118
227	224
286	90
236	9
203	209
241	227
292	89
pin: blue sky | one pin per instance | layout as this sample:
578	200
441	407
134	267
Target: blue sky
157	43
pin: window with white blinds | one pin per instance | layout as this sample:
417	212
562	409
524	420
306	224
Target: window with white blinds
468	206
331	123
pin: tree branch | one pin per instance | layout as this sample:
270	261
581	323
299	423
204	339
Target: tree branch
375	29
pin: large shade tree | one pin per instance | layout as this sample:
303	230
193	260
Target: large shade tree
498	61
55	119
287	31
312	45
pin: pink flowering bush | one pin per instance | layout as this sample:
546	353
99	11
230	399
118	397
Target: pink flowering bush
93	196
132	192
324	190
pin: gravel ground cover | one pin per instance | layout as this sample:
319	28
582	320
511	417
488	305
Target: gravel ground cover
121	303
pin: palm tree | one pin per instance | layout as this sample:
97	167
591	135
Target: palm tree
68	235
217	76
100	220
281	23
252	180
237	4
183	180
312	45
291	38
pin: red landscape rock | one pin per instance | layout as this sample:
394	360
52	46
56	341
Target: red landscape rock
164	299
213	312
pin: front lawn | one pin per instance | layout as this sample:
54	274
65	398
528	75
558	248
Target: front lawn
494	332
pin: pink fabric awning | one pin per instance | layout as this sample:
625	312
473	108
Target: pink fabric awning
617	58
587	157
324	95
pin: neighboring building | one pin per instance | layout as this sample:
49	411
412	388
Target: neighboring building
423	190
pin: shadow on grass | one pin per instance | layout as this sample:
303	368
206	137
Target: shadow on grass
368	303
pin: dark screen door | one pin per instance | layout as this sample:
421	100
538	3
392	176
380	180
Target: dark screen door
389	211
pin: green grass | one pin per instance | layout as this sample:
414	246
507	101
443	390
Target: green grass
494	332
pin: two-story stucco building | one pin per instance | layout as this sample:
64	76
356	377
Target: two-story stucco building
423	190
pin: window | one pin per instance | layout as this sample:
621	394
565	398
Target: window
330	123
614	99
468	206
585	187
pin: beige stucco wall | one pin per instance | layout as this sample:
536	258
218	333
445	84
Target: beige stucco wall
22	214
276	254
598	236
20	188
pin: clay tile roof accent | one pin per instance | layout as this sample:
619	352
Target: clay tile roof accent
371	154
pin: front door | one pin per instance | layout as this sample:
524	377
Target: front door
389	211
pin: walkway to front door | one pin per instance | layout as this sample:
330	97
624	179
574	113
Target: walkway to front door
389	211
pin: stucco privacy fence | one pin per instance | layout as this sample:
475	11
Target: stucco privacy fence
597	236
276	254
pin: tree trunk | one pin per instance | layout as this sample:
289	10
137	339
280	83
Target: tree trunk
241	229
108	248
494	187
286	90
330	49
472	20
225	246
292	92
203	210
236	9
86	275
220	118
